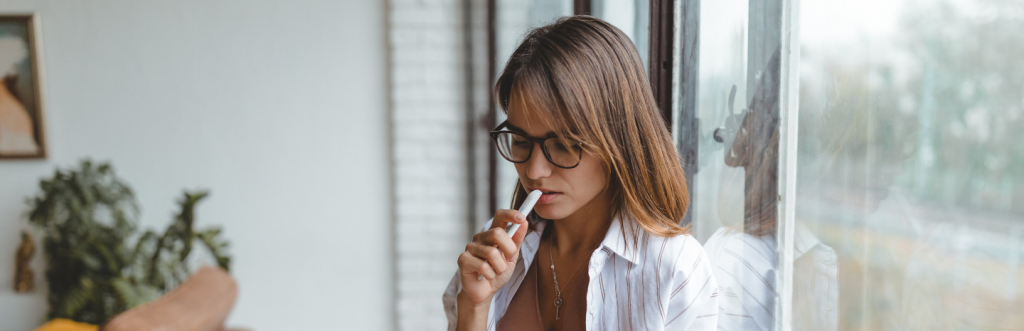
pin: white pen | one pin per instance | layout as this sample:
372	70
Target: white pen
524	209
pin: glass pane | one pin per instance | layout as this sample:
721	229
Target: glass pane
514	18
631	16
735	192
723	93
910	185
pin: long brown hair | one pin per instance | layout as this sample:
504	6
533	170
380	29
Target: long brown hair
756	149
587	79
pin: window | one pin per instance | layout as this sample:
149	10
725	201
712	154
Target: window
909	160
876	156
728	92
630	16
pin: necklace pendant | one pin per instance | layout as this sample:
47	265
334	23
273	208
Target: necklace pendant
558	302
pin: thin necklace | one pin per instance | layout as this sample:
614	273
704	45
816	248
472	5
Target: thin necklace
558	292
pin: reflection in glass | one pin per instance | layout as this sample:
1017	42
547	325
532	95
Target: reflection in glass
910	162
745	257
722	80
736	204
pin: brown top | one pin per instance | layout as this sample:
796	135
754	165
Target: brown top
523	312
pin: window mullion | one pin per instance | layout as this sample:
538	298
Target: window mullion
789	89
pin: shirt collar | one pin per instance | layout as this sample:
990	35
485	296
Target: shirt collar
803	241
615	240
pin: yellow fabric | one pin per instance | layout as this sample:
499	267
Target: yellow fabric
61	324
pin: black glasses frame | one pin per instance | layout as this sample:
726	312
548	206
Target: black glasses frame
533	141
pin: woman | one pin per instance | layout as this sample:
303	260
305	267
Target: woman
745	258
584	129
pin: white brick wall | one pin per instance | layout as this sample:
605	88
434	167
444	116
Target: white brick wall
428	118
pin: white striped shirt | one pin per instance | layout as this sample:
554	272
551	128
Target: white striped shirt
667	284
745	269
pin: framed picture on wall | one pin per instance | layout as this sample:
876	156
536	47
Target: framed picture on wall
21	108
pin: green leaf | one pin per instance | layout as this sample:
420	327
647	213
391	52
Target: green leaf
93	273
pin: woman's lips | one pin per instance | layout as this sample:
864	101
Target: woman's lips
548	197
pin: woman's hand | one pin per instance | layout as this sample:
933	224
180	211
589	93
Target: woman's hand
493	255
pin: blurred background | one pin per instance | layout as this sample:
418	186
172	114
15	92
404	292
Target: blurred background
345	151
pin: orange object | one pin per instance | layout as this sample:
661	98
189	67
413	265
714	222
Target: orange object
60	324
201	303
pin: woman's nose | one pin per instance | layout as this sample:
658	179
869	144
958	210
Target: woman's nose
538	166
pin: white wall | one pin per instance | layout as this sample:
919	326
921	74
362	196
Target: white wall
278	107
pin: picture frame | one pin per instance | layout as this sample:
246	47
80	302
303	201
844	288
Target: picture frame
22	132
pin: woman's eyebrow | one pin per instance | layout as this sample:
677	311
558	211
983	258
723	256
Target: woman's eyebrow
520	130
513	127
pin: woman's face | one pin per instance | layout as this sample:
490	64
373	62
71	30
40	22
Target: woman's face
566	191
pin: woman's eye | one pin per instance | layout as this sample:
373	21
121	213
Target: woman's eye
520	143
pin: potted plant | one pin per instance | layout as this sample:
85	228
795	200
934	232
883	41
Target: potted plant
98	265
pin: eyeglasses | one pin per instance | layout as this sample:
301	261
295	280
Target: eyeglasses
516	147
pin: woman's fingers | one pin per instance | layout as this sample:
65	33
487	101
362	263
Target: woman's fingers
489	253
470	263
503	217
497	236
520	234
492	251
